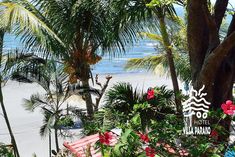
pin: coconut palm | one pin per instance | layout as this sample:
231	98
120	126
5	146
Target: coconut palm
87	29
166	18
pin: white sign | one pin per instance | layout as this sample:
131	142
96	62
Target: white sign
195	111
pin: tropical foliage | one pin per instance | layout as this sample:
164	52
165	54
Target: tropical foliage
66	38
145	136
6	151
123	101
158	63
50	76
85	33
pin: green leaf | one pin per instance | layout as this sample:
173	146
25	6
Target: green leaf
223	116
136	120
117	149
125	135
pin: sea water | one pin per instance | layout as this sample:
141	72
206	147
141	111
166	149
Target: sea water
108	64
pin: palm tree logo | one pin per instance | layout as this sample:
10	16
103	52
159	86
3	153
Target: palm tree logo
195	105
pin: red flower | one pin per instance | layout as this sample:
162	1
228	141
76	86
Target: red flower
214	134
150	94
228	107
150	152
144	137
105	138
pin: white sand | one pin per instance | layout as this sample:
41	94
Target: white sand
26	125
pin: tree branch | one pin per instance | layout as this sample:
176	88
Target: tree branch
214	40
97	81
103	89
219	12
214	60
197	35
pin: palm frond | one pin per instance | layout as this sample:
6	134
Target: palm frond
31	68
48	123
122	96
34	102
166	96
182	66
32	30
158	64
33	73
151	36
149	63
18	58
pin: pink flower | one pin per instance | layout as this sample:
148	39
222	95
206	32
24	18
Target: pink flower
150	94
105	138
144	137
228	107
214	134
150	152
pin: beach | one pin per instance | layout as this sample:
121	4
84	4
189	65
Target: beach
26	125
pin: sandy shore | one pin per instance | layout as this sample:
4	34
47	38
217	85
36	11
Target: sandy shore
26	125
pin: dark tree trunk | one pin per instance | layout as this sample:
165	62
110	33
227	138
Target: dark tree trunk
88	98
164	34
212	62
16	152
223	86
49	138
211	59
56	140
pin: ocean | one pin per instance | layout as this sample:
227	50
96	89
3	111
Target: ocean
108	65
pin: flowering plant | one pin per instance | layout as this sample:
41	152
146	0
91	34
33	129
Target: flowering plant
150	152
143	137
150	93
228	107
105	138
152	129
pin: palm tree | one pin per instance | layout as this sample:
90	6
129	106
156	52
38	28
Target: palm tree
50	76
87	29
155	12
8	23
162	10
158	63
13	141
8	64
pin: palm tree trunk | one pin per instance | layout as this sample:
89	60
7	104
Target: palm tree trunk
88	99
49	143
16	152
56	141
166	42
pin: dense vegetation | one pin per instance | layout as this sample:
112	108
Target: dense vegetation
62	39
